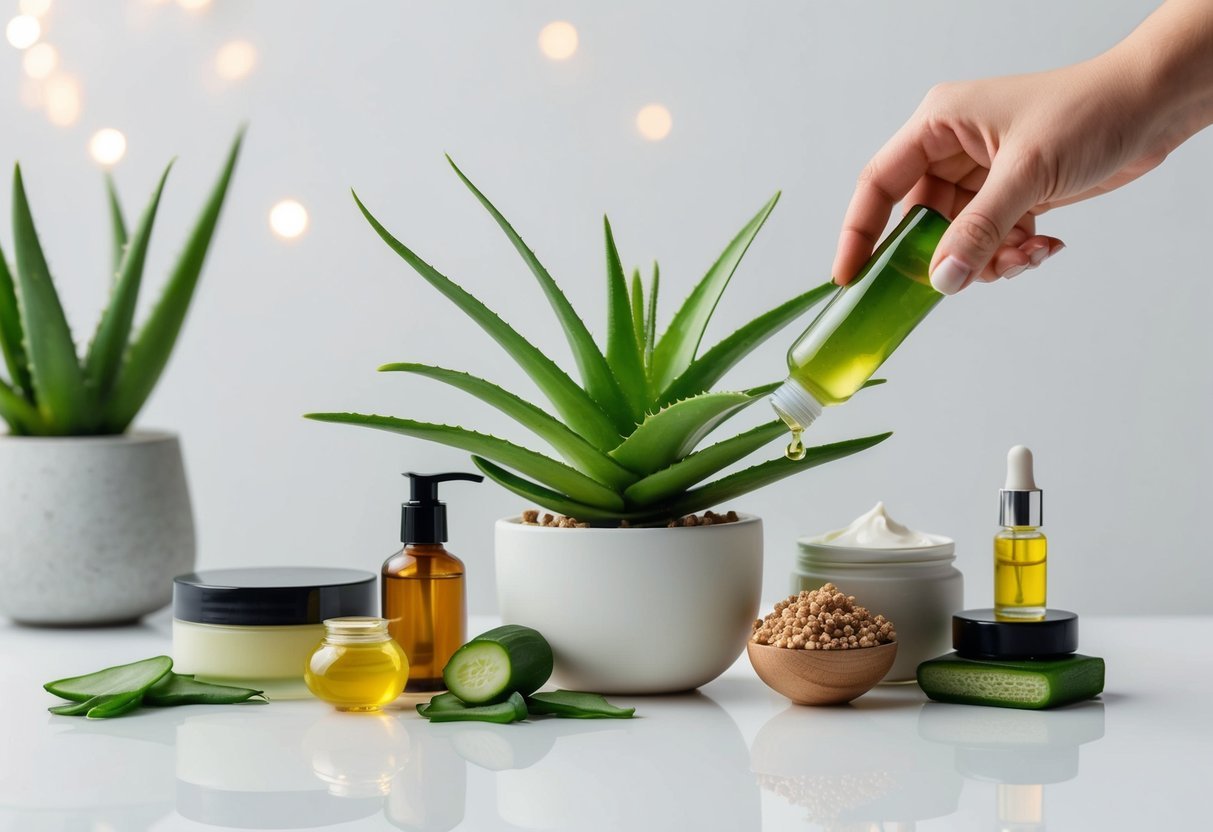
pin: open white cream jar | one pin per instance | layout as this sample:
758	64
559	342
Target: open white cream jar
905	575
256	627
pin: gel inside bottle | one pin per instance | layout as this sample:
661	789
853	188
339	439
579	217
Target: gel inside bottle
1020	548
862	324
424	598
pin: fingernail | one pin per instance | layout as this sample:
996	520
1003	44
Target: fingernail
950	276
1038	256
1056	248
1014	270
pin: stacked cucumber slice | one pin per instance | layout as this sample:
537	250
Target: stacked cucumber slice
495	676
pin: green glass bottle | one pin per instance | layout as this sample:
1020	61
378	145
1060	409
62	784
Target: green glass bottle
862	324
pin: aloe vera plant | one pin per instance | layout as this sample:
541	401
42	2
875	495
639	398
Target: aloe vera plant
51	390
629	436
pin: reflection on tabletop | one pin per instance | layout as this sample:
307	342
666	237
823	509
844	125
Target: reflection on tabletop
1020	751
311	767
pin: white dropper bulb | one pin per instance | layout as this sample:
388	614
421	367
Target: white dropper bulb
1019	470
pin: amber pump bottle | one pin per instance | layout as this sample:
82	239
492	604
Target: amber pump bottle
424	596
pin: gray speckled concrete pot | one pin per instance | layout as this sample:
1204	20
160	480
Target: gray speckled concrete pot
92	529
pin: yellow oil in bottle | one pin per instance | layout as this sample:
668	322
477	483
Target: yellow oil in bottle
1020	573
425	603
358	667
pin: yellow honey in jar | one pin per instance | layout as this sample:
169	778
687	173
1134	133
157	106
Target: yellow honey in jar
357	667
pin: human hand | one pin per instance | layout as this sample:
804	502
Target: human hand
995	154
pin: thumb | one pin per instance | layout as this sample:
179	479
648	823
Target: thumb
977	232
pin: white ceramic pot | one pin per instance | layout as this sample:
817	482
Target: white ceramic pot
92	529
633	611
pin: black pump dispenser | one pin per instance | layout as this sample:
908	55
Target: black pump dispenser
423	517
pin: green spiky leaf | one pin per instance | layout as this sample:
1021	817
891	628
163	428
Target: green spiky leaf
672	432
150	350
623	346
677	347
105	353
591	363
688	471
650	318
580	454
548	471
58	381
710	367
637	298
12	336
22	417
763	474
539	495
117	225
580	411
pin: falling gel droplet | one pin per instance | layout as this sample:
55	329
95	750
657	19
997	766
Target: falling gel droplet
795	450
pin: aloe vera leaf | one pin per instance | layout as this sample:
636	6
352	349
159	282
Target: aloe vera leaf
545	497
578	409
23	418
580	454
117	224
591	363
55	373
573	704
710	367
104	706
12	337
152	345
511	710
180	689
546	470
672	432
442	702
650	318
678	345
637	299
104	357
686	472
757	476
623	350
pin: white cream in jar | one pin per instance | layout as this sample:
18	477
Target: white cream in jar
896	571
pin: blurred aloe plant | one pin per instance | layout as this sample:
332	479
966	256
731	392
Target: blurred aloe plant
629	434
51	390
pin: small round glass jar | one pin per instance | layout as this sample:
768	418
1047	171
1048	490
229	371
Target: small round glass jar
358	667
917	589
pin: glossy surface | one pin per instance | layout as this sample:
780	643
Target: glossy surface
425	603
872	315
734	756
358	667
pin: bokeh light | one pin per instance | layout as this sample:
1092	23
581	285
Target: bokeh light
235	59
62	99
23	31
34	8
193	5
107	147
40	60
558	40
654	122
288	219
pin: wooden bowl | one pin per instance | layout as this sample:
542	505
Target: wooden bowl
821	677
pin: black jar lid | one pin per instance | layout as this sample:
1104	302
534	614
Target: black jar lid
273	595
979	634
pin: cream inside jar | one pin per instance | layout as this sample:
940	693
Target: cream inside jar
256	627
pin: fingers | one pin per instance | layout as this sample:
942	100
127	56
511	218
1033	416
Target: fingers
976	237
885	180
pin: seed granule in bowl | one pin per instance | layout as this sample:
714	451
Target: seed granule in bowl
823	619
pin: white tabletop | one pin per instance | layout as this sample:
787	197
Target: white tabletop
734	756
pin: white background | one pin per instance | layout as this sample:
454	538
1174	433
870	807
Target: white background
1098	361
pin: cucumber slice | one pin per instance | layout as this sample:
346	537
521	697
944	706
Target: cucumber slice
505	660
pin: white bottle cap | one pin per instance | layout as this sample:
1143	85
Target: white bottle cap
1020	502
1019	470
795	405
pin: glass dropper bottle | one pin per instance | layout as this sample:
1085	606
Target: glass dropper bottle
862	324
